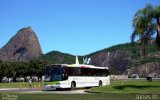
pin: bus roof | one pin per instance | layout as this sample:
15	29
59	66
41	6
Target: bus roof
81	66
86	66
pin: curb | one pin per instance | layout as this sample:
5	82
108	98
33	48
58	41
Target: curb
12	88
91	91
120	93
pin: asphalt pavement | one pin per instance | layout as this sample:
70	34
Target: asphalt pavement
26	90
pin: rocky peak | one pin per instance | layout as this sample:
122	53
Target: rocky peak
115	59
24	46
145	70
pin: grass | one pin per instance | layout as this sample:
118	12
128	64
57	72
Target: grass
140	86
116	91
20	84
100	96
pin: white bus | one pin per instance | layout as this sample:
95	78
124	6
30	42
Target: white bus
60	76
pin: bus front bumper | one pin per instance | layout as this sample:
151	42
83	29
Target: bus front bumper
51	87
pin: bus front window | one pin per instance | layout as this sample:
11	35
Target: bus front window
53	73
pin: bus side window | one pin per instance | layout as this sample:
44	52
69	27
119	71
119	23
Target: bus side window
94	71
78	71
107	72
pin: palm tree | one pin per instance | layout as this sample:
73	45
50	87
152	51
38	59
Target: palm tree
143	27
1	70
156	16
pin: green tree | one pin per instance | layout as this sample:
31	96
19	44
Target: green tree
22	69
8	70
156	16
5	70
13	69
25	71
16	69
36	68
145	22
1	70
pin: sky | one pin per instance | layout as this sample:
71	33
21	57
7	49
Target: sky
77	27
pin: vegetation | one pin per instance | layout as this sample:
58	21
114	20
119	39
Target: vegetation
36	66
21	85
144	61
146	23
134	54
133	50
115	91
51	96
135	86
22	69
56	57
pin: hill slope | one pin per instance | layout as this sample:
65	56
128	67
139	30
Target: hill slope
118	58
121	59
24	46
56	57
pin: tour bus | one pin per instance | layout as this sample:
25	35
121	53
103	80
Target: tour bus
60	76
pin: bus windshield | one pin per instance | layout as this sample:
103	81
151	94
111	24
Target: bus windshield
53	73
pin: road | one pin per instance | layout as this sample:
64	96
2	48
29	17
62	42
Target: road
77	91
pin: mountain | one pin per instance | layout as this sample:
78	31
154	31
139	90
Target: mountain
56	57
121	59
125	59
24	46
117	58
148	69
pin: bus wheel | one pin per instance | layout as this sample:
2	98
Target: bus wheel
88	87
100	83
58	89
73	85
